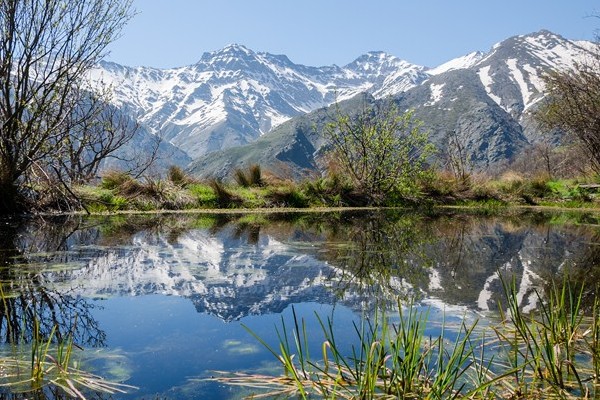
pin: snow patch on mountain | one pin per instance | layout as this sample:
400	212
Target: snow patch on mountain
463	62
487	81
517	75
553	49
436	93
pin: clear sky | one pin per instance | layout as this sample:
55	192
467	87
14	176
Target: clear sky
173	33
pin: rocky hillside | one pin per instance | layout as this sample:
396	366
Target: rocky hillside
483	100
236	106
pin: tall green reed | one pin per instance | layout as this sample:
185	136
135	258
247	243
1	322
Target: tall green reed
388	361
550	352
554	350
46	363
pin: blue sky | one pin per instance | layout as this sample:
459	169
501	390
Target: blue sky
173	33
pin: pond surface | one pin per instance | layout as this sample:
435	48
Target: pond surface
162	302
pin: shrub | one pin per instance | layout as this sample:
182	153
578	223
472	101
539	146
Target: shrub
334	190
113	179
288	197
255	175
130	188
240	177
381	149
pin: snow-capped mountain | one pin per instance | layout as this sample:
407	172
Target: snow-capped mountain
235	96
488	101
512	72
232	96
485	99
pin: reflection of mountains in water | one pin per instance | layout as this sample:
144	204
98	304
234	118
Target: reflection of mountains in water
232	273
470	266
223	274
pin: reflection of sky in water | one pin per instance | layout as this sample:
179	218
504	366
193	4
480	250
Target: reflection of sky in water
168	343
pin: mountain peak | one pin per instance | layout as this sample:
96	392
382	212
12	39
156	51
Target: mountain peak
236	48
377	62
377	56
230	52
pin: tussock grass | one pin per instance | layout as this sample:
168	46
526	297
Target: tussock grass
250	178
225	198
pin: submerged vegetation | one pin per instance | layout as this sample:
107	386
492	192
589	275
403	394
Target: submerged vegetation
42	357
551	352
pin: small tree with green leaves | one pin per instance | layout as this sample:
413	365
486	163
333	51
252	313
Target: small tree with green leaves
381	150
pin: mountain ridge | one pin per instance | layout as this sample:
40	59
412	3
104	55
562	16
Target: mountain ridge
234	96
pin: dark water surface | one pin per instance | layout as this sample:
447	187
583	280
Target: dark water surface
159	301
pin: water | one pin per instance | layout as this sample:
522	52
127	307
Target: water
164	302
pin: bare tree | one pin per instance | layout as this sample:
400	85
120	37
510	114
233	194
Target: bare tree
47	48
458	160
574	106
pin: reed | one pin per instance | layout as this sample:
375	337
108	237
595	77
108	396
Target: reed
389	361
46	364
552	352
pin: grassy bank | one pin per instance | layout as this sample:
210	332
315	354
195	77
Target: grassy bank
251	190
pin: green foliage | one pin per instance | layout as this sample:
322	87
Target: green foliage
204	194
552	352
252	197
381	150
333	190
288	197
388	361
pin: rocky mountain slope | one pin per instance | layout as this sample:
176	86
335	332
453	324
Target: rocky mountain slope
483	100
233	96
236	105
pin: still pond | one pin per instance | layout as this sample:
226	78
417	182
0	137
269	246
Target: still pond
164	302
